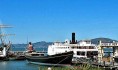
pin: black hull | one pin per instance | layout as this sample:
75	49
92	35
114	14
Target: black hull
4	58
20	58
63	58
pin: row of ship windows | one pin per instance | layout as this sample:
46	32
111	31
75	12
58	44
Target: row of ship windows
83	47
62	47
88	53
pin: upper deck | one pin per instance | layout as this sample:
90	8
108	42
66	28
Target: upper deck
83	44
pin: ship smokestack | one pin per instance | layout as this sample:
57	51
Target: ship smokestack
73	38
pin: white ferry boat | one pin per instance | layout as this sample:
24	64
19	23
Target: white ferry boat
83	48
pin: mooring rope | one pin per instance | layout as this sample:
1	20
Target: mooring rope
62	60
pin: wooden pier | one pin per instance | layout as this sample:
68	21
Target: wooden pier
108	62
101	52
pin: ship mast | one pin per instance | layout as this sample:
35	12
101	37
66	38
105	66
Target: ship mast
3	37
2	34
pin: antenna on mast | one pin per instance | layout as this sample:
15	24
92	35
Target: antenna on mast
27	44
27	40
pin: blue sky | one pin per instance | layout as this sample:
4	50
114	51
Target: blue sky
52	20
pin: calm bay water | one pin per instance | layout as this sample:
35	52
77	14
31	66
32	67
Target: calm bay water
17	65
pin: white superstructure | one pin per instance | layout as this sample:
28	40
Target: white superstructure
83	48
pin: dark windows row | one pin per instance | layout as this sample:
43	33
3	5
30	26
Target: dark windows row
80	53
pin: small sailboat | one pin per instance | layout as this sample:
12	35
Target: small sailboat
54	60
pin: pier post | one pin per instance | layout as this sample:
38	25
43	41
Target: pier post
104	64
99	52
113	61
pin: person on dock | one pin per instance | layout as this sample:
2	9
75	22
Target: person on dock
30	47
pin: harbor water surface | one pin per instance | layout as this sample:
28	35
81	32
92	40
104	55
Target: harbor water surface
17	65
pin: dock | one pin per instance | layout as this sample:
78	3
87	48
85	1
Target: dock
106	62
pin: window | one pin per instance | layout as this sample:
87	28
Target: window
91	47
72	47
80	53
79	47
92	53
95	53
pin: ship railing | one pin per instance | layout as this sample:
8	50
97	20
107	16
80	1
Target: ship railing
109	44
83	47
23	52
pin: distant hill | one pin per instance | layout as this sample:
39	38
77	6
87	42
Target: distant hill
44	44
19	45
103	40
41	44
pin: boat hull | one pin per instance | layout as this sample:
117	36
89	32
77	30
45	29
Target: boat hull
63	58
4	58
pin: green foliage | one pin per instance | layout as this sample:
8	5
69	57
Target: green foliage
81	67
89	67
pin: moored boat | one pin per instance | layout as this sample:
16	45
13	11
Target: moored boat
57	59
82	49
3	53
